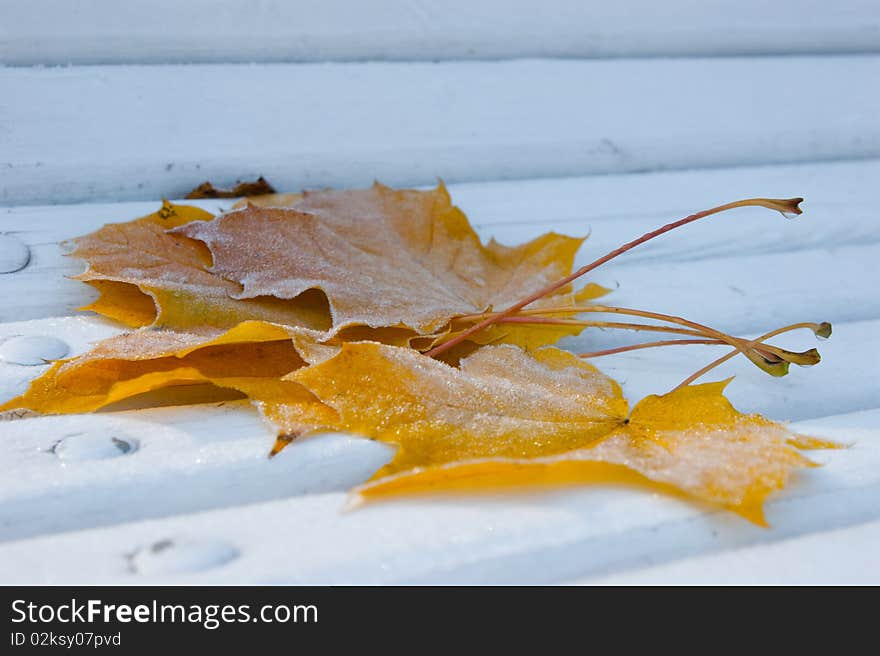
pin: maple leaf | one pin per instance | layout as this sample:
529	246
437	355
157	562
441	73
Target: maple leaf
500	402
510	417
148	276
287	199
306	279
259	187
251	358
382	257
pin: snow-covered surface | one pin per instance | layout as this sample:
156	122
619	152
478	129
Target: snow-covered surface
78	134
194	499
162	31
184	492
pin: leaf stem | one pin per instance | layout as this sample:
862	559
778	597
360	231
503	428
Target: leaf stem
815	327
765	356
636	347
552	321
784	206
696	328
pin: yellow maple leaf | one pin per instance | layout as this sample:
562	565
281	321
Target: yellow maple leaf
251	358
509	417
501	402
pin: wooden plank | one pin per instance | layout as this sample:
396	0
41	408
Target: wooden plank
845	556
214	455
190	449
528	538
831	242
187	459
163	31
113	133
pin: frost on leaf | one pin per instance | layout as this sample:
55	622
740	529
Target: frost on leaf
383	257
149	276
252	359
512	418
318	307
500	402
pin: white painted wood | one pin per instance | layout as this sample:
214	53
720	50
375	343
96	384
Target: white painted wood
187	459
113	133
590	205
833	241
163	31
846	556
526	538
214	455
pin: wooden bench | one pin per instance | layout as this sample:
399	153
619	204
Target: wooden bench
540	116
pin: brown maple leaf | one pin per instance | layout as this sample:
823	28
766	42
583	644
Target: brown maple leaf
150	276
259	187
382	257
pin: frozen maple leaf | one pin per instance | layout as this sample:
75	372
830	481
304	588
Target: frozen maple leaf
382	257
501	402
148	276
510	417
251	358
288	199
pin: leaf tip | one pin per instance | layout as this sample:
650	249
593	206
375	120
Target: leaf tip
281	443
809	358
753	513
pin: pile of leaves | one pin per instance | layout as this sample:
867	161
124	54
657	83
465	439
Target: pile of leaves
381	313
